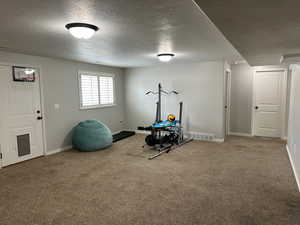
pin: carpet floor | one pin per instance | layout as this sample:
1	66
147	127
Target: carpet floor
242	181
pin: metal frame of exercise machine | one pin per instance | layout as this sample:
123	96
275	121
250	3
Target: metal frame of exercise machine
165	136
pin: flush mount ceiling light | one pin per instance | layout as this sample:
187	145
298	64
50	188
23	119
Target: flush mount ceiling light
165	57
82	30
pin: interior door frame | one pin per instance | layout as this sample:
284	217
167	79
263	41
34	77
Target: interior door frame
227	93
42	102
283	98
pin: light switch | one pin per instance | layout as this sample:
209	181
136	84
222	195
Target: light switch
56	106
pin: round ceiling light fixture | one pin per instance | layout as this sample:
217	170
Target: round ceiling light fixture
165	57
82	30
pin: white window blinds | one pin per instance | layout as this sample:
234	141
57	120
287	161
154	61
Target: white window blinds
106	90
96	90
89	90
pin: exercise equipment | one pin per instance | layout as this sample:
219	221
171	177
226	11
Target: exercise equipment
91	135
165	135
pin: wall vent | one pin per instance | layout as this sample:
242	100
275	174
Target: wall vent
202	136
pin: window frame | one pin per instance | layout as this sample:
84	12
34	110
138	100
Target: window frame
98	74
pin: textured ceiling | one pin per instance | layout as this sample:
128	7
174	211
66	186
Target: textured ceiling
131	32
261	30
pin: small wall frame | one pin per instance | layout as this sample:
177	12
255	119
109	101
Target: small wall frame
23	74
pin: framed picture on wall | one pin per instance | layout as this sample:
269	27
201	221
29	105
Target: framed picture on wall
23	74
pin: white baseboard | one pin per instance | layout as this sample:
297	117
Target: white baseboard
293	167
240	134
142	132
59	150
219	140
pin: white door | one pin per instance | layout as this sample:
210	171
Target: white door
268	103
21	126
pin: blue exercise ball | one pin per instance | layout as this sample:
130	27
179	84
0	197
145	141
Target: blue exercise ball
91	135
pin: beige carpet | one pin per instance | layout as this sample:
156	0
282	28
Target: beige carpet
243	181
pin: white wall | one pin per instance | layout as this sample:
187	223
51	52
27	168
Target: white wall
201	90
60	85
294	122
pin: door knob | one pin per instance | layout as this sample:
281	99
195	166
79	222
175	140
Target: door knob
39	118
256	107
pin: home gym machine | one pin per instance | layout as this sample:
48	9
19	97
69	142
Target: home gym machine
165	135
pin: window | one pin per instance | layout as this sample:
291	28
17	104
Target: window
96	90
106	85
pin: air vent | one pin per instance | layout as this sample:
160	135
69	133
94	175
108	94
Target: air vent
202	136
23	142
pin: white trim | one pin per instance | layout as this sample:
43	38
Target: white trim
2	155
294	66
218	140
293	167
142	132
96	106
253	103
43	110
239	62
55	151
240	134
283	100
42	102
284	104
227	101
98	74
